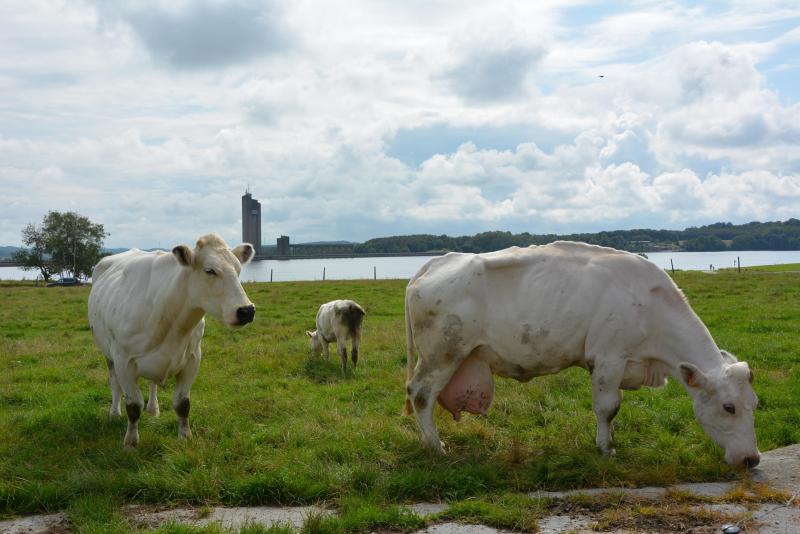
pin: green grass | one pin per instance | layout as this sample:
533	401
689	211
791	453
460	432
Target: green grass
786	267
274	426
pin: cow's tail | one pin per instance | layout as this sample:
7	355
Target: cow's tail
409	409
353	316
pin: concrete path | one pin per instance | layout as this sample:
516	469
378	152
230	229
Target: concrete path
779	469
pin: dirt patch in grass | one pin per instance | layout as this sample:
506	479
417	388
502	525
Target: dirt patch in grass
666	517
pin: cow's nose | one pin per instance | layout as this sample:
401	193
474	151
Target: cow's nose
245	314
751	461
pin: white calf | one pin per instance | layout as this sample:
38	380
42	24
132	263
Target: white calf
336	321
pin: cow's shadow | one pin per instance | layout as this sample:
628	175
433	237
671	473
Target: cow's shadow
317	370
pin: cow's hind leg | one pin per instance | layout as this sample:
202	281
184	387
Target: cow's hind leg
423	389
116	391
183	390
606	399
152	401
356	344
341	348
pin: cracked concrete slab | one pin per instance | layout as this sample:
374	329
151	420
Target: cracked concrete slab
459	528
36	524
424	509
779	468
556	524
227	517
778	519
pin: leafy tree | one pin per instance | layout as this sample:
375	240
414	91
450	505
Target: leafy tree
35	256
71	240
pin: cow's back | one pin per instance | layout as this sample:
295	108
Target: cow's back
124	292
536	307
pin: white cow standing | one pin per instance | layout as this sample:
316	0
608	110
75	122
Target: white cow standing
337	321
146	311
525	312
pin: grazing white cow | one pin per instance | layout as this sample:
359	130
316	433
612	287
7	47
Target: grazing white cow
146	311
336	321
525	312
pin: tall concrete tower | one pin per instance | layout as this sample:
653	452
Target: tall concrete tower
251	221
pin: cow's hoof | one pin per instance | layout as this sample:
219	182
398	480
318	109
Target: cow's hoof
184	433
155	412
131	442
113	414
609	451
438	448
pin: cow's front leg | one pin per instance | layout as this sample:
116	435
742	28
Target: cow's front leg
116	391
183	389
134	401
606	399
152	401
325	351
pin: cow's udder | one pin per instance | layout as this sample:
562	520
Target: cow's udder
471	388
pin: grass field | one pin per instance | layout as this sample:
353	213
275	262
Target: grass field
785	267
273	425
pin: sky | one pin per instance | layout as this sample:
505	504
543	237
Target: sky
349	120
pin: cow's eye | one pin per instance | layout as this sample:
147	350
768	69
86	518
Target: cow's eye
730	408
211	272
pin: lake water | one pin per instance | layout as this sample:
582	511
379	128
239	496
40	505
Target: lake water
406	266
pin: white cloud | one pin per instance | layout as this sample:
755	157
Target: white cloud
153	120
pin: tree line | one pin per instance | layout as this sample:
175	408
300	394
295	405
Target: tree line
71	243
718	236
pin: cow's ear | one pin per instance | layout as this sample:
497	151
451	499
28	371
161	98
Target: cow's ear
244	252
692	376
728	357
184	254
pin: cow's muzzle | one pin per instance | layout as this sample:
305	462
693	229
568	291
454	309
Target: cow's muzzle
245	314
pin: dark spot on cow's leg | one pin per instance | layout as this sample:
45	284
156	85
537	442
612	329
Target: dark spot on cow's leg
421	398
182	409
526	334
408	390
354	356
343	354
110	364
134	411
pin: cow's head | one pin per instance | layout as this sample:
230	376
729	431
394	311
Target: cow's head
214	279
314	341
724	402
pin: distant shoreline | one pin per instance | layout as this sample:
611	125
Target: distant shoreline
275	257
